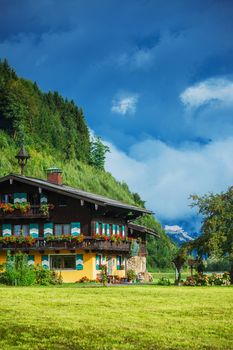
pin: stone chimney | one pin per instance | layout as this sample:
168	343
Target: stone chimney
54	175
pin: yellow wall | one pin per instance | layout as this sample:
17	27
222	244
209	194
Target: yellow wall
89	269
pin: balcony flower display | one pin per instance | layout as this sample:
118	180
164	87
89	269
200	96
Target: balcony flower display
65	238
20	240
45	208
9	208
112	238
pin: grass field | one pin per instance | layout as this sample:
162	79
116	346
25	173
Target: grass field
120	317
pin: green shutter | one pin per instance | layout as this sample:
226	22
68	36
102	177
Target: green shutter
75	228
117	229
6	230
34	230
98	261
97	228
17	197
123	231
20	197
79	261
31	260
118	259
103	229
23	197
108	229
48	229
45	261
43	198
113	229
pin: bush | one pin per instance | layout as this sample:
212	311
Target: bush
46	277
17	272
131	275
84	279
164	282
208	280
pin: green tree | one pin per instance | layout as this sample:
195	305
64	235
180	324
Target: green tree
98	153
217	227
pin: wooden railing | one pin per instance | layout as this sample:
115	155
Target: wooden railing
88	244
33	212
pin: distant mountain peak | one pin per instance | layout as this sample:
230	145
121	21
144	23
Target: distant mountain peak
178	234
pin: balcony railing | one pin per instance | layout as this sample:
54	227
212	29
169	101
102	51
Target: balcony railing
33	212
88	244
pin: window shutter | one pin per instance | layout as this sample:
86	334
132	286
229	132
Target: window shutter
48	229
123	231
31	260
113	229
103	260
20	197
79	261
45	261
118	261
97	228
98	258
75	228
123	261
6	230
34	230
23	197
43	198
108	229
118	229
17	197
103	229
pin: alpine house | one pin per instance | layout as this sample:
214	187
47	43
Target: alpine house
67	229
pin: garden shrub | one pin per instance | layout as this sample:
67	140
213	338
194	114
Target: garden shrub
164	282
131	275
46	277
84	279
17	272
208	280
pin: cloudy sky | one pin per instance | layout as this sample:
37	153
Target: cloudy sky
155	79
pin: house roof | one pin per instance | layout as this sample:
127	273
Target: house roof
75	193
140	228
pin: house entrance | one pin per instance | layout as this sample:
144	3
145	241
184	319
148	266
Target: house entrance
110	265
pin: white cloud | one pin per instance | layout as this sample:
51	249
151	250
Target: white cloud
165	176
214	89
125	104
173	228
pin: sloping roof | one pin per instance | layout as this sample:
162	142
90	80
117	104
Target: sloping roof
143	229
74	192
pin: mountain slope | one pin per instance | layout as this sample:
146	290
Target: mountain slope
55	134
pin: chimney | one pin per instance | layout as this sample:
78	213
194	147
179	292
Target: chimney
54	175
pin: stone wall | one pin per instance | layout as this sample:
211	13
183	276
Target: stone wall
137	263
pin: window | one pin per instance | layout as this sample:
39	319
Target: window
17	230
21	230
66	229
6	198
63	262
57	230
62	202
62	229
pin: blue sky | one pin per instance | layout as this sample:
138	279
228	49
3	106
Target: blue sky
155	79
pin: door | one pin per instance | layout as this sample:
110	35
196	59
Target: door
110	263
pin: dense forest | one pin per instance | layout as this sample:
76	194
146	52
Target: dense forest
55	132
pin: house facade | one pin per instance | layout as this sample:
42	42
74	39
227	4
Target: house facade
68	230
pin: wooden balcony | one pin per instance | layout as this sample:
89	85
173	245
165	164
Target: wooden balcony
33	213
89	244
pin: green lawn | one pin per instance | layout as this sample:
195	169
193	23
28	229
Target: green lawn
120	317
170	275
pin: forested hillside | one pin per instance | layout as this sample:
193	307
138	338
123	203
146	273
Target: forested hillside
55	133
